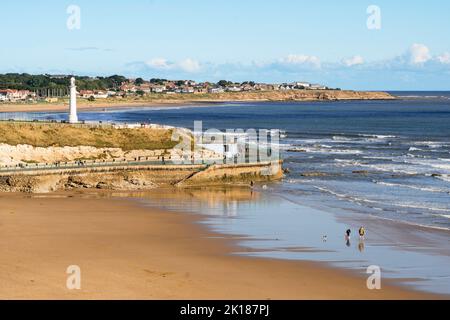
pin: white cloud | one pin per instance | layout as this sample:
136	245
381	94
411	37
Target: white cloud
296	59
417	68
419	54
444	58
353	61
189	65
159	63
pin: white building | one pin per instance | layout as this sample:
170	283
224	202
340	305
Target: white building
158	89
216	90
303	84
317	87
234	89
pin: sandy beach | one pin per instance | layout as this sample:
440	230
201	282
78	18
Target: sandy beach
127	251
86	106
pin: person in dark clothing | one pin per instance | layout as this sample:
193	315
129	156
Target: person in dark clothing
347	237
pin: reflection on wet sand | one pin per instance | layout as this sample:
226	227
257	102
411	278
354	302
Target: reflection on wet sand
219	200
361	246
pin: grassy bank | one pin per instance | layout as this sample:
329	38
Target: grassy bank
61	135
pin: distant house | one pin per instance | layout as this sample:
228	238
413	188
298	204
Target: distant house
187	90
263	87
158	89
286	86
317	87
3	95
14	95
170	85
86	93
145	87
200	89
93	93
58	76
216	90
101	95
127	87
234	89
247	87
302	84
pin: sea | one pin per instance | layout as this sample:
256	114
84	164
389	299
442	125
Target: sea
385	160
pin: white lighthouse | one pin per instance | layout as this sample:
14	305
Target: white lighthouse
73	118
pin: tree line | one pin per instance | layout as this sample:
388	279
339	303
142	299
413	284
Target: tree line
24	81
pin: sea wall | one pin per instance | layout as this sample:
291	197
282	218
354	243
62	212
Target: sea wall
138	177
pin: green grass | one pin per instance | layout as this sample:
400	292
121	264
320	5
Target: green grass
60	135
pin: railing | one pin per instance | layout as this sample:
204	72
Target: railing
81	124
86	164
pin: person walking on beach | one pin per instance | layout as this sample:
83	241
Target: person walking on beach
362	233
347	237
348	233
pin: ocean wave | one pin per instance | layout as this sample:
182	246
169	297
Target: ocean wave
347	163
445	178
413	205
378	158
419	156
394	168
371	203
423	97
415	149
377	136
344	140
432	144
348	197
356	140
415	187
332	151
364	135
440	164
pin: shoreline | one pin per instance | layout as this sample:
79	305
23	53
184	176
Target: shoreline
127	251
170	101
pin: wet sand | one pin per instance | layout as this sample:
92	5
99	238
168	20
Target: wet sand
126	251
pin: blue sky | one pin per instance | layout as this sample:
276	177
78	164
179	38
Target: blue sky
324	41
